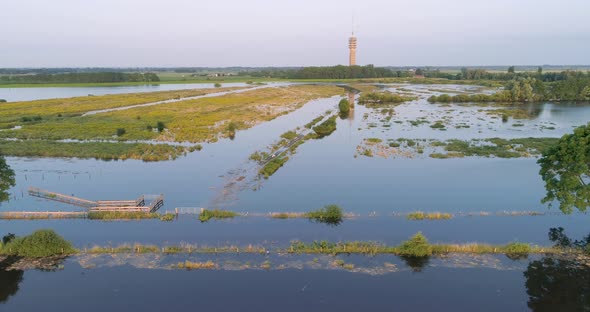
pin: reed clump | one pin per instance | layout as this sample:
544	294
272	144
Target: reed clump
189	265
419	215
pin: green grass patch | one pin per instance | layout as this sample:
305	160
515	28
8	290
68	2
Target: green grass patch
96	150
122	215
326	128
330	214
207	214
272	166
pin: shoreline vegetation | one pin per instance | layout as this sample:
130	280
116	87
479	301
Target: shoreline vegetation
325	213
46	243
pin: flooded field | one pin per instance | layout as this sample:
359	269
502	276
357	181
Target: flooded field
367	166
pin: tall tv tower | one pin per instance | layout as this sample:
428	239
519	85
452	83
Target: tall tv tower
352	47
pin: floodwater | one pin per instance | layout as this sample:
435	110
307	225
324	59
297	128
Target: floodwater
481	192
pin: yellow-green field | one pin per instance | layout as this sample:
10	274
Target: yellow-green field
195	120
44	122
11	114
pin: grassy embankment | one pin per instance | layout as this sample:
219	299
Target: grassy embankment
418	246
191	120
122	215
46	243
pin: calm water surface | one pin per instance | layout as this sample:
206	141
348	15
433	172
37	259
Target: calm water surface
321	172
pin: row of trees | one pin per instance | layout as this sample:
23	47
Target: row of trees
529	89
98	77
511	74
330	72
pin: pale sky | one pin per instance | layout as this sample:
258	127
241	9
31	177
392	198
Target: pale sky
130	33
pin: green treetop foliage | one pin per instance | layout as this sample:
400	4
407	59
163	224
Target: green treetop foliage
344	106
6	179
97	77
565	169
511	70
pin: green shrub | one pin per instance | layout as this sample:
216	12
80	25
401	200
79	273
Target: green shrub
160	126
326	128
121	131
344	107
217	85
330	214
517	249
207	215
416	246
42	243
167	217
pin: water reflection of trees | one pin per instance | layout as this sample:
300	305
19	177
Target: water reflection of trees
9	280
558	285
417	264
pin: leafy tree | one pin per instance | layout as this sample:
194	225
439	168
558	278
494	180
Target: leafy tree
540	70
232	127
6	179
511	70
344	107
160	126
565	169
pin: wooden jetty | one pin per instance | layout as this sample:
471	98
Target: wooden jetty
138	204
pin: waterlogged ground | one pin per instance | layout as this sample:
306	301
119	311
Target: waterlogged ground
493	200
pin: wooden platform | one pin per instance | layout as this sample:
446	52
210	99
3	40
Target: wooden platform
101	205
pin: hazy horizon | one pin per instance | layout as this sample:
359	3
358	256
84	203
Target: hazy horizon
258	33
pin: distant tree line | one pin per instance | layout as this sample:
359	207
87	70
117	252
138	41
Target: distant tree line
575	87
511	74
98	77
330	72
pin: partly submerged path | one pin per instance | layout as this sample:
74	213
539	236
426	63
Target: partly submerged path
176	100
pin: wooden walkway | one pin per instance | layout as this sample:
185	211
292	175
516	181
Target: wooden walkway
102	205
